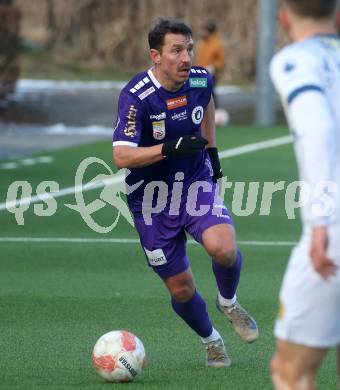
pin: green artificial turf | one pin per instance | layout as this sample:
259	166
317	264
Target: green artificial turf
58	298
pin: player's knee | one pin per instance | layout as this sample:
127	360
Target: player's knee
182	293
274	366
278	374
278	380
288	377
279	383
224	255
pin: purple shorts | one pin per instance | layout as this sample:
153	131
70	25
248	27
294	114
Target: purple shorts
164	239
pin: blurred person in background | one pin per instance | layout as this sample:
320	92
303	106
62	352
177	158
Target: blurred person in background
306	75
210	53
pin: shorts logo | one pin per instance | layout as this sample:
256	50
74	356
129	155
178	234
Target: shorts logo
180	101
130	128
156	257
197	115
198	82
158	130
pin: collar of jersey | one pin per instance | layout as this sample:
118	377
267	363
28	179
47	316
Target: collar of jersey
158	85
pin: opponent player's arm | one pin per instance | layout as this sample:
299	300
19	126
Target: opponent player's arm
314	125
315	129
297	79
208	132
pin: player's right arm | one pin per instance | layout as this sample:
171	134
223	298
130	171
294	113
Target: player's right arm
127	136
134	157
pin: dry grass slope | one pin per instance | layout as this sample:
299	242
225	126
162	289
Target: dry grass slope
104	32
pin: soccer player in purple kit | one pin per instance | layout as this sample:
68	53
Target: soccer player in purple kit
165	136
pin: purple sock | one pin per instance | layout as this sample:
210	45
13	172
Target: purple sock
194	313
227	278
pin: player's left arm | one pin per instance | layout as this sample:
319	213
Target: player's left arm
296	77
315	127
209	133
208	124
318	252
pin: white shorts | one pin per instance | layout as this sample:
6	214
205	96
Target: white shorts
310	306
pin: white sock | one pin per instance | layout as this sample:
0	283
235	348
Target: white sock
225	301
213	337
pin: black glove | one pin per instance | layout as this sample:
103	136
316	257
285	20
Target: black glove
188	144
215	163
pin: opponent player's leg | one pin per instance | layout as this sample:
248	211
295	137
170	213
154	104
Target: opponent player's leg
190	306
220	243
294	367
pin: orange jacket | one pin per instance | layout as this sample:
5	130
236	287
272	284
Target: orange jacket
210	52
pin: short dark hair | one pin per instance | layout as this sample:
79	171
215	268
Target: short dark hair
316	9
165	26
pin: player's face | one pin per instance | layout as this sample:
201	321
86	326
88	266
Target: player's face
173	63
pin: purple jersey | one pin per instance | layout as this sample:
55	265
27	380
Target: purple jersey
150	115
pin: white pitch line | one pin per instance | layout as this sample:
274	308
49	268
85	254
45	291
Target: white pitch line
70	240
267	243
65	191
117	179
124	241
256	146
26	162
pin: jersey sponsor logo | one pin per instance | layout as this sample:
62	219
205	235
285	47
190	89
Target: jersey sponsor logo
146	93
198	82
158	130
156	257
197	115
130	128
158	117
180	116
180	101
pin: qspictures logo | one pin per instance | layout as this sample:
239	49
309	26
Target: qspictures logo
157	197
20	196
